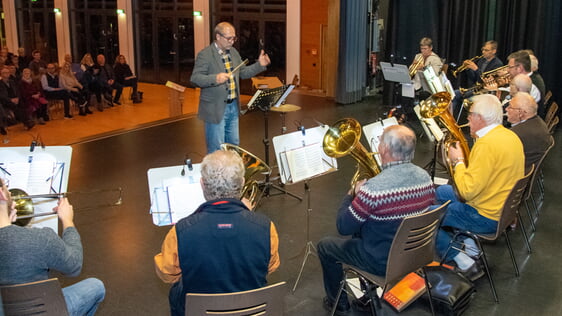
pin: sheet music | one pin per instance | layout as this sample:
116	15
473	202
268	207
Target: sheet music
373	133
305	162
174	196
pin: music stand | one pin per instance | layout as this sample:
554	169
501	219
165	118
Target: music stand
435	134
398	74
264	99
301	158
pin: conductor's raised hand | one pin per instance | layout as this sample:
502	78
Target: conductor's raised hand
264	59
222	77
65	212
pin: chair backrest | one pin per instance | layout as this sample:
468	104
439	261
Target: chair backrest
551	113
512	203
547	97
414	243
536	171
43	298
552	125
268	300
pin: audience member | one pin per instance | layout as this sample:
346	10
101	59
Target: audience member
33	97
124	77
37	65
10	98
50	82
74	88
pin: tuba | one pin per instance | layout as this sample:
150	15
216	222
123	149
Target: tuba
343	138
253	166
437	105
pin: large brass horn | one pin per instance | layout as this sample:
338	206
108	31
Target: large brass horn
254	166
437	105
341	139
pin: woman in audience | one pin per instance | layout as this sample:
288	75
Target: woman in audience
124	76
70	83
33	97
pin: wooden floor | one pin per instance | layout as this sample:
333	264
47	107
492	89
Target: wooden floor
153	110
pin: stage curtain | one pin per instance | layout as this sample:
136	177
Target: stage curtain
352	60
459	28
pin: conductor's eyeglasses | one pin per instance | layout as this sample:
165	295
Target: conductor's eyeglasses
229	38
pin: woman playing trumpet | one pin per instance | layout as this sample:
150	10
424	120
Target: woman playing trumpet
429	59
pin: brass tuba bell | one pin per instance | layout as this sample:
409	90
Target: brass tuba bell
341	139
253	166
437	105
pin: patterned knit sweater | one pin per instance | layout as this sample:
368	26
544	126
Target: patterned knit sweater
380	205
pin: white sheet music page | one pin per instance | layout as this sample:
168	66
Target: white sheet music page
184	197
305	162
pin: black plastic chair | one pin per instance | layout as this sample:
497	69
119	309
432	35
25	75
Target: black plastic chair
36	298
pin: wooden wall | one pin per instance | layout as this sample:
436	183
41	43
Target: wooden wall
319	37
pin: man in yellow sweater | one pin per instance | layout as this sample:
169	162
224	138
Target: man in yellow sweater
495	164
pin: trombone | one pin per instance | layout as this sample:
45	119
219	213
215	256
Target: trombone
25	206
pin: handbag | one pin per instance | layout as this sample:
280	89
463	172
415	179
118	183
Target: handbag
450	290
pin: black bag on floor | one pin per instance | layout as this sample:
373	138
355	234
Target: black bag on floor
450	290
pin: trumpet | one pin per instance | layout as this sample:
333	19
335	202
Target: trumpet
464	66
415	65
25	209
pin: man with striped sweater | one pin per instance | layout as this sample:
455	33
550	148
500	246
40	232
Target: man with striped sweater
373	212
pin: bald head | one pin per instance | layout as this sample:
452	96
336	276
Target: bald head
521	83
526	103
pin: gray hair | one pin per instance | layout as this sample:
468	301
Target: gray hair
489	107
526	102
401	142
522	82
222	174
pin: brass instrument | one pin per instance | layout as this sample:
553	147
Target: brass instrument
25	209
415	65
464	67
253	166
437	105
491	79
343	138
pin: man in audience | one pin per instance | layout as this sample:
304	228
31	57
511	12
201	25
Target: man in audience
495	164
222	247
29	254
10	98
105	81
37	65
372	212
50	82
531	129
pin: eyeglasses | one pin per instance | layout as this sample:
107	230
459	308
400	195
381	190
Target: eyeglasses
486	50
229	38
516	65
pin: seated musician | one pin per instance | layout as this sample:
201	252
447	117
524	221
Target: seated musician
429	57
372	212
531	129
520	63
495	164
488	62
520	83
28	254
222	247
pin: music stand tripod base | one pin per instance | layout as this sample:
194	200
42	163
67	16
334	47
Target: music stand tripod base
309	248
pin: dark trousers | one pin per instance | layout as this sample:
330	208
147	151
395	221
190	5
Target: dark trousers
331	252
60	95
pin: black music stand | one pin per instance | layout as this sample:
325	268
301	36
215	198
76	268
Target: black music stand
301	158
398	74
264	99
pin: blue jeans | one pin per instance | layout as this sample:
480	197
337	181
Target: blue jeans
83	298
226	131
461	216
331	252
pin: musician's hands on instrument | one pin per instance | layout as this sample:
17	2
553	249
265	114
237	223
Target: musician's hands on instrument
264	59
470	65
65	212
222	77
455	153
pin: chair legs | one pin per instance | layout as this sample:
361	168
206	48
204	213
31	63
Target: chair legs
524	232
511	253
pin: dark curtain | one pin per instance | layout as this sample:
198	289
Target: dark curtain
353	47
459	28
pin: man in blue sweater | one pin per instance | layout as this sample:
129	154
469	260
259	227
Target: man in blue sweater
373	212
28	254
